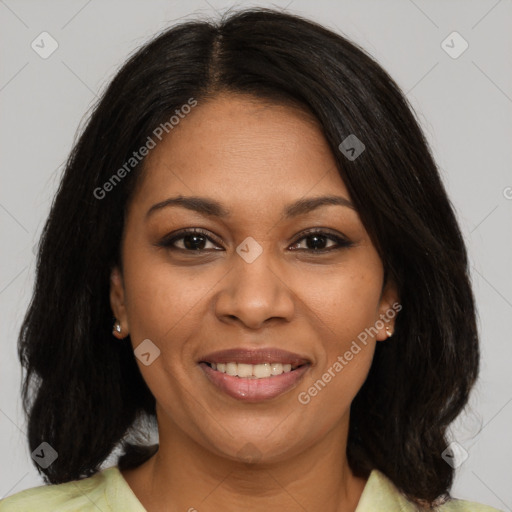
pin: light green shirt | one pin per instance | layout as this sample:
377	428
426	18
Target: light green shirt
108	491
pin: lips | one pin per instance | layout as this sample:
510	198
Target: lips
254	375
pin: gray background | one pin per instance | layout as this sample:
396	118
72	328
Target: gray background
464	106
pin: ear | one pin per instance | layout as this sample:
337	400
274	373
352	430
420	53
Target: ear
388	309
117	301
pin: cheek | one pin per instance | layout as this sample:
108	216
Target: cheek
332	386
163	304
345	301
162	300
343	306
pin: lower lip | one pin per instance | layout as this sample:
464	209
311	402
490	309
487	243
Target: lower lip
254	390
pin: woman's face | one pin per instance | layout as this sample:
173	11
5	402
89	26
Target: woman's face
250	282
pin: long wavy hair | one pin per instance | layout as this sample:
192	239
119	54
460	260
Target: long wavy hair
82	390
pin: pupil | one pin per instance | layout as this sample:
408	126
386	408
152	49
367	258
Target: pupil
317	237
198	239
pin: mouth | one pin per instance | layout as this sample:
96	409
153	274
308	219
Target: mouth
254	375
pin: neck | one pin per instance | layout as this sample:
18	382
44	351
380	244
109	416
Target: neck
183	475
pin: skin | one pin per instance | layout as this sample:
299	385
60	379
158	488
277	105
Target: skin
254	158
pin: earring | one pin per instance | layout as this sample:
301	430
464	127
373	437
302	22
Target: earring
389	332
117	329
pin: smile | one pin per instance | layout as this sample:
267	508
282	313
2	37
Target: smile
254	375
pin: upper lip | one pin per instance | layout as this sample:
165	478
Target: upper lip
255	356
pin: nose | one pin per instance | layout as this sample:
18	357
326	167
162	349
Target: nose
254	294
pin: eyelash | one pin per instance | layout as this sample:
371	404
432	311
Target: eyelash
341	242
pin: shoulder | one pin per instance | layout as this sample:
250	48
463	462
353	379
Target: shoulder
78	495
381	494
456	505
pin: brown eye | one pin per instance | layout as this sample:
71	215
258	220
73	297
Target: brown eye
316	242
192	240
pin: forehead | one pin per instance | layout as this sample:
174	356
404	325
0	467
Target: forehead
239	148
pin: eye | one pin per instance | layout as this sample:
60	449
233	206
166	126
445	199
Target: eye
318	240
191	240
196	240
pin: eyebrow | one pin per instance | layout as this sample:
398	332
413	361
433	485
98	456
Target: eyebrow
211	207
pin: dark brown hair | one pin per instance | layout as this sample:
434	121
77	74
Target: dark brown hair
83	390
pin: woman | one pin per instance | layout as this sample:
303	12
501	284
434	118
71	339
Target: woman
251	247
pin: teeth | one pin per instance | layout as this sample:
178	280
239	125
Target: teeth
244	370
252	371
276	368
